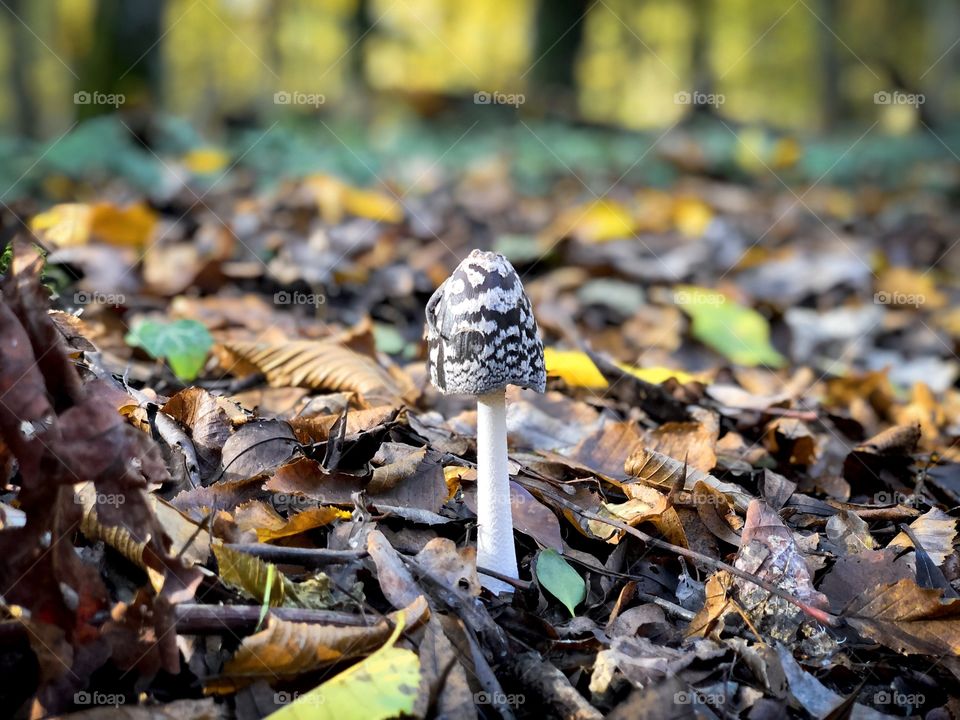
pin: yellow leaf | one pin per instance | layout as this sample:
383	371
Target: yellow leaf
334	197
302	522
63	225
373	205
129	226
577	370
249	574
599	221
691	216
382	686
786	153
205	160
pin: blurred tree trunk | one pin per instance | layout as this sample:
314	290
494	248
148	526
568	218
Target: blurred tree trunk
26	111
559	29
940	70
701	72
125	57
831	99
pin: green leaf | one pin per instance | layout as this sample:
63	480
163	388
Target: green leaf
382	686
739	333
183	343
561	580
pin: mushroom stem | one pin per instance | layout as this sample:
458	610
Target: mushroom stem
495	547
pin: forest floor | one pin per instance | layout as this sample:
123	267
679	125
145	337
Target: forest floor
231	491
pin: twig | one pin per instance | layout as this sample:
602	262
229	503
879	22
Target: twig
308	557
815	613
519	584
554	687
195	619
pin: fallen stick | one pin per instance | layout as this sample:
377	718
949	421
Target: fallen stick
308	557
815	613
196	619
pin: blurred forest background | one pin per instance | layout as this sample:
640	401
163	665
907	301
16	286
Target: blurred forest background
797	64
368	71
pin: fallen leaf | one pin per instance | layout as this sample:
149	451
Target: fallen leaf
286	649
738	333
909	619
560	580
382	686
935	531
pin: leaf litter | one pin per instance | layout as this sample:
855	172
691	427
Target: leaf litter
737	497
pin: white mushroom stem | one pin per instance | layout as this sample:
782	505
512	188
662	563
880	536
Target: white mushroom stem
495	548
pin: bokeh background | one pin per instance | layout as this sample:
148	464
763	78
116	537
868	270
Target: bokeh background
488	76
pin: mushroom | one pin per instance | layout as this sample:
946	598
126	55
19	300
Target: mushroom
482	336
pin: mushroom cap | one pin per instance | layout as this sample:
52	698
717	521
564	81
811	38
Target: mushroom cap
481	333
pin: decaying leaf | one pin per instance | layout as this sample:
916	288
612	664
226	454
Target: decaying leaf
664	472
386	681
908	619
319	365
936	532
286	649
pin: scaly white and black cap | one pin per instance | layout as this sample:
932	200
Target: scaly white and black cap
481	333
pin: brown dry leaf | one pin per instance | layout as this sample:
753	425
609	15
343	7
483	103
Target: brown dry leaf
897	440
693	441
606	450
936	532
314	364
396	581
769	550
792	439
443	682
207	419
716	513
456	568
908	619
255	449
662	471
286	649
317	429
708	622
395	463
645	504
256	516
425	489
